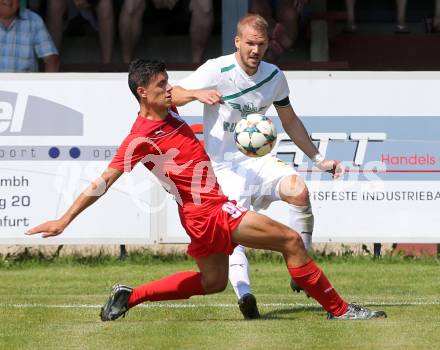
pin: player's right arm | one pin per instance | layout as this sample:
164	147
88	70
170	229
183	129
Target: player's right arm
131	151
200	85
89	196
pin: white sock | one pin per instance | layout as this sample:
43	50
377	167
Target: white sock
239	272
301	220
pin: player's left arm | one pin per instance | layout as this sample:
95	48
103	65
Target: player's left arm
183	96
200	85
299	135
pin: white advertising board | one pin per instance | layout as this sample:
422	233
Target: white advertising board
59	131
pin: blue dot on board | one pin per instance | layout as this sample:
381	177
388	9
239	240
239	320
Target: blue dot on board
75	152
54	152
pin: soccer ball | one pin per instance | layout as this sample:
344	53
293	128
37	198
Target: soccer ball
255	135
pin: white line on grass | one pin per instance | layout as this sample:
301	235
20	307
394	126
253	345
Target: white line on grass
184	306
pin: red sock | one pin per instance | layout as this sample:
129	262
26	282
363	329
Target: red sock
181	285
310	278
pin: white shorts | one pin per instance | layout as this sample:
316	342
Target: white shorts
254	181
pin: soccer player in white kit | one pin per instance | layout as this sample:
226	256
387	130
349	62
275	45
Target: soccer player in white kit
232	87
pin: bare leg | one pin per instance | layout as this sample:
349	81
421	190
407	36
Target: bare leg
351	19
260	232
213	278
214	271
55	13
288	16
436	20
401	12
202	21
294	192
254	230
106	23
130	27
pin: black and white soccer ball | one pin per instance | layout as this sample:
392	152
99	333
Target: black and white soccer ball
255	135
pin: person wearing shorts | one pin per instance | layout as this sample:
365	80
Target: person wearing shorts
231	87
167	147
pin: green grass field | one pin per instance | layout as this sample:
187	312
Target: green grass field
55	306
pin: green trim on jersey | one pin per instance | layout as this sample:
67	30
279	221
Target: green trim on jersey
225	69
245	91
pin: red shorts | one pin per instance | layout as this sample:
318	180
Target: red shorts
210	227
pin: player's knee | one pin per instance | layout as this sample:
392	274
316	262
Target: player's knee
293	190
215	283
220	286
216	286
292	241
303	197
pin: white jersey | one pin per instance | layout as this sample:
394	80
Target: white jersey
242	95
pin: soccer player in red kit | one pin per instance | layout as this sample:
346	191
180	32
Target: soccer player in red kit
165	144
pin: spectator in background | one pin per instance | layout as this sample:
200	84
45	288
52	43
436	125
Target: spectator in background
283	18
130	25
401	27
23	39
351	26
436	20
99	13
433	24
202	21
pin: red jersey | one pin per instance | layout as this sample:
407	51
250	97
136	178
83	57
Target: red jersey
170	150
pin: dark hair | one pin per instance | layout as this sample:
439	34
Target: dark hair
140	73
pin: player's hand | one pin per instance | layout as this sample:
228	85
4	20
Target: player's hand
48	229
209	97
334	167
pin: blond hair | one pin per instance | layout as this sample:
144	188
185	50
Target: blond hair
254	21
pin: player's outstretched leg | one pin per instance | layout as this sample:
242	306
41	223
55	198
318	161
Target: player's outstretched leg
212	278
117	303
181	285
356	312
260	232
239	278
